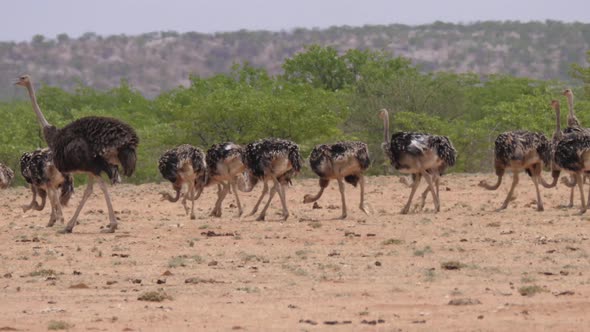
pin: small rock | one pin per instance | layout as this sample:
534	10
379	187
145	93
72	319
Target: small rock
465	301
167	273
308	321
161	281
212	263
79	286
377	263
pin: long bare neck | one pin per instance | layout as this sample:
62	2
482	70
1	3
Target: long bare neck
557	135
571	117
386	127
42	121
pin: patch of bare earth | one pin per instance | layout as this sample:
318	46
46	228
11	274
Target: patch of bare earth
515	269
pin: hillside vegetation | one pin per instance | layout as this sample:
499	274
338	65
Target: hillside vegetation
323	96
156	62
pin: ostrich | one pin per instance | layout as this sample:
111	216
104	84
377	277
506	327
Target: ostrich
39	171
343	161
418	154
520	150
90	145
573	126
571	153
224	164
271	159
6	176
184	166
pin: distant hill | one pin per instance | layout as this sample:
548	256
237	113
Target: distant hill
157	61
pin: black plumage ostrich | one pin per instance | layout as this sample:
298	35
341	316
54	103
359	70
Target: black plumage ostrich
184	166
224	165
341	161
91	145
419	154
571	152
38	169
520	150
271	159
573	126
6	176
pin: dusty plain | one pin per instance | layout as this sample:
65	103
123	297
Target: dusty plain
467	268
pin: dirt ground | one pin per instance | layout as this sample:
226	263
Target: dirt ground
463	269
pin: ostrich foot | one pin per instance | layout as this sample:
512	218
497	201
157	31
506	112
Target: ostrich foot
215	213
260	217
26	207
501	208
343	216
109	229
193	217
51	222
364	209
405	210
64	230
285	216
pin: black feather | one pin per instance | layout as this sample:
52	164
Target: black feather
95	145
174	159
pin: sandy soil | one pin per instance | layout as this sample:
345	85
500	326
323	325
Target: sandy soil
384	271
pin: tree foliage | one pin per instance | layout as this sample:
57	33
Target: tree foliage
323	96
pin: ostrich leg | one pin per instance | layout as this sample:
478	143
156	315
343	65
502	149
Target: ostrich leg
535	179
415	184
271	195
221	193
509	196
580	182
428	179
107	197
283	197
362	184
264	191
70	226
234	187
342	196
56	213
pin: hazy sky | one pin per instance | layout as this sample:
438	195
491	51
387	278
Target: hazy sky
20	20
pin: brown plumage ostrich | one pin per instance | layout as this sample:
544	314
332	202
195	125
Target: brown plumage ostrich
342	161
421	155
6	176
271	159
184	166
91	145
38	169
516	151
224	165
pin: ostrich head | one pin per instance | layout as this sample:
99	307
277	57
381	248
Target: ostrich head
24	80
555	104
568	93
383	113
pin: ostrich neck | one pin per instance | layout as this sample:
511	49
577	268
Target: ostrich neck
386	127
570	105
42	121
557	134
